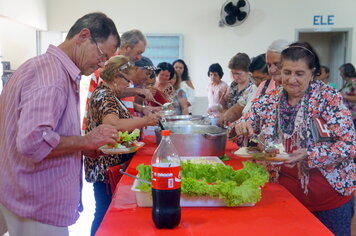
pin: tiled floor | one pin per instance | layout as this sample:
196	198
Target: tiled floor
83	224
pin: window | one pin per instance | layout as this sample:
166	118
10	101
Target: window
164	48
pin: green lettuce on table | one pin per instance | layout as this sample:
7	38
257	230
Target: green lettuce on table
234	187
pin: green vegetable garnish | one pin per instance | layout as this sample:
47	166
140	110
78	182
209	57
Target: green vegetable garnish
224	157
127	137
235	187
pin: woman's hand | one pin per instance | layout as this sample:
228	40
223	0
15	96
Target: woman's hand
152	118
148	109
298	155
153	90
244	128
147	94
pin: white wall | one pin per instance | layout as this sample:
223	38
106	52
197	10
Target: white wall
29	12
204	42
17	42
19	20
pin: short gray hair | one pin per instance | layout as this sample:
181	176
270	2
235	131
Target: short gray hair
278	45
132	37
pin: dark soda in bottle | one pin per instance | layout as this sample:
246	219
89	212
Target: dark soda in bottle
166	184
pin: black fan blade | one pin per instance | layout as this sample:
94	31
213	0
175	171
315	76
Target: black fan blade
230	19
229	8
237	12
241	3
241	16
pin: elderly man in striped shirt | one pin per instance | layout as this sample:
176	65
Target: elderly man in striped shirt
40	142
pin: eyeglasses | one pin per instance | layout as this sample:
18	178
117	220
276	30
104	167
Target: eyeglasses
128	81
102	55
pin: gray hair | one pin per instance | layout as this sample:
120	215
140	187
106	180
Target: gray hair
132	37
278	45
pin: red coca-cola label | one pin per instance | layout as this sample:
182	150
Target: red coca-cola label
166	176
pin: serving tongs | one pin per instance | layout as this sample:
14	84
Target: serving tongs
135	177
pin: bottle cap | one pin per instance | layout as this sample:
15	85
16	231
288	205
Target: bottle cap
166	132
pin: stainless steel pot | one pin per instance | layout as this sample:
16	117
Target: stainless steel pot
193	118
195	139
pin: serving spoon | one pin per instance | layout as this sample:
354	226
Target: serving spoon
135	177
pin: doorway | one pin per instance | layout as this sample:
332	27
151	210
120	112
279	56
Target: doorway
333	48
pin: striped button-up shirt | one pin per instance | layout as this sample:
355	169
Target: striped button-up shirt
40	103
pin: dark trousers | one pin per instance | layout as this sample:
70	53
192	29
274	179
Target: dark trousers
338	220
102	195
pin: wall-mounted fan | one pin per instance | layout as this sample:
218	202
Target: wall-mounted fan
234	12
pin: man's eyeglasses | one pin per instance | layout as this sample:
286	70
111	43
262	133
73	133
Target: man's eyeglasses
102	55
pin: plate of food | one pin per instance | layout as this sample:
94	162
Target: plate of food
255	153
126	143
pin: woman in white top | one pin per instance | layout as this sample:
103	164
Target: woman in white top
216	90
183	81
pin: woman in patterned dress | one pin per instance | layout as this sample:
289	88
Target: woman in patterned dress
217	89
320	173
105	107
163	83
348	91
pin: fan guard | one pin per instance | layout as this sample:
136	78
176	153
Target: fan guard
234	12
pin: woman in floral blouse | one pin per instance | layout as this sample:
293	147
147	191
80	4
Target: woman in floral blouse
164	80
105	107
320	173
348	91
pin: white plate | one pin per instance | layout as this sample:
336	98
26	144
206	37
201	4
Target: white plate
107	150
244	153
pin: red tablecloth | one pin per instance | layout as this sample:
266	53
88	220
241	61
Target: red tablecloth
278	213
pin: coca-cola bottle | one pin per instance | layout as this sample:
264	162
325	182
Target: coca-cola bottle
166	184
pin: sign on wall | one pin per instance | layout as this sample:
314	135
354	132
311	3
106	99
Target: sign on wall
323	20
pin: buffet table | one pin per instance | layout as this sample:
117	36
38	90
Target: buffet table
278	212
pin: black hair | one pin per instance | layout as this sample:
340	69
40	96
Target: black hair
303	51
348	70
240	61
327	70
216	68
99	25
166	66
185	74
259	63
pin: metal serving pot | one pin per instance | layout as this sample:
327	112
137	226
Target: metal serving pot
193	118
196	139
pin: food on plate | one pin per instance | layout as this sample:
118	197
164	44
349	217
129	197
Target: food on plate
125	139
256	152
221	181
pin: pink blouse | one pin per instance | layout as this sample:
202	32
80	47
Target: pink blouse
214	94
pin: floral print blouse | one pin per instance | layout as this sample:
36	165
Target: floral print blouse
350	89
333	159
169	93
180	93
241	97
103	102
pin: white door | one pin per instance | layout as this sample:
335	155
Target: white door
337	57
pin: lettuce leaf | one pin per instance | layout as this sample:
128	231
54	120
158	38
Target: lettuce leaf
127	137
235	187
